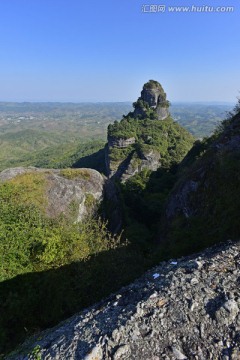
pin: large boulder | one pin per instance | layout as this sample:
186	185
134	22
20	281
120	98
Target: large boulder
81	189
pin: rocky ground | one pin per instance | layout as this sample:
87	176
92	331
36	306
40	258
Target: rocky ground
182	309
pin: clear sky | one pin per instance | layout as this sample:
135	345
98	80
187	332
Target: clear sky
104	50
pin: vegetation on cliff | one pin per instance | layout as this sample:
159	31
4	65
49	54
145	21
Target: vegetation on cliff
47	263
31	240
153	131
56	135
52	267
159	145
166	136
204	206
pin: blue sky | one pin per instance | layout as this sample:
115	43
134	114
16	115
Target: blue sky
104	50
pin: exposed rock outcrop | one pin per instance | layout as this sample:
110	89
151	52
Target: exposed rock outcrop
183	309
120	142
143	160
141	129
82	188
202	207
186	199
154	97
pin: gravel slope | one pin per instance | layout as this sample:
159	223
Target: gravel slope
182	309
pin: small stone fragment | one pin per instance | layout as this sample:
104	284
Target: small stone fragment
178	354
122	350
95	354
161	302
194	281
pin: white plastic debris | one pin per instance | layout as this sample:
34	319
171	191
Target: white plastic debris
173	262
156	275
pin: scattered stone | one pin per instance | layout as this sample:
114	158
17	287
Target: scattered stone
191	312
122	350
178	354
95	354
161	302
194	281
227	313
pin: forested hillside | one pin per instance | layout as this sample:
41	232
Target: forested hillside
48	134
57	252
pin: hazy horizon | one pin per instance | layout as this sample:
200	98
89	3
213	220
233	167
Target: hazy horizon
116	102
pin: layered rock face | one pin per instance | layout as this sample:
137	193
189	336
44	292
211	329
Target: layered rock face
120	142
182	309
65	188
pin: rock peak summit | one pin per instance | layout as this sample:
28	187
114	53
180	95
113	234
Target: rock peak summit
154	98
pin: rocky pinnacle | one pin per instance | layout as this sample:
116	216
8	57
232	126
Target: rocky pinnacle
154	97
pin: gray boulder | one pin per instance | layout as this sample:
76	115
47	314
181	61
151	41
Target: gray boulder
65	189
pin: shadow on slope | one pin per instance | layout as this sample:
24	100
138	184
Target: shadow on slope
34	301
57	298
94	161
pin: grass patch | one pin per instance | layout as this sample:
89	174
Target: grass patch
29	188
73	174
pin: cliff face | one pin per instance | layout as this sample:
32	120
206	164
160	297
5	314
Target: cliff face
183	309
205	199
145	137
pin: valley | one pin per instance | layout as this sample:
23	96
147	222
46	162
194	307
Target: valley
36	133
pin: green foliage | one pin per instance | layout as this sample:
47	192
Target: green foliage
58	135
30	241
52	132
35	354
119	154
90	201
52	268
32	244
29	188
124	129
151	84
141	104
226	124
144	196
216	202
75	173
55	158
165	136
